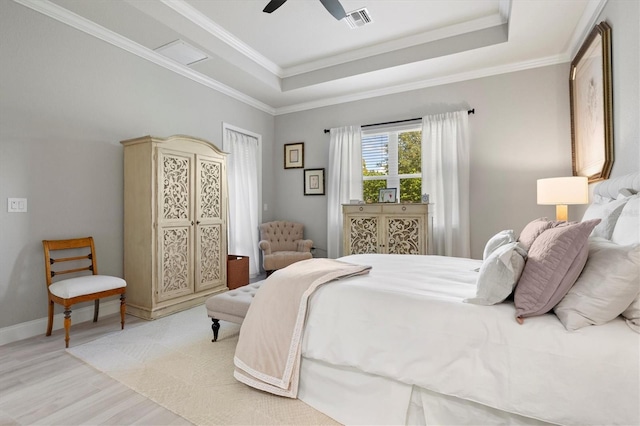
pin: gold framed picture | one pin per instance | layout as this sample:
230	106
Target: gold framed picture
590	91
294	155
313	181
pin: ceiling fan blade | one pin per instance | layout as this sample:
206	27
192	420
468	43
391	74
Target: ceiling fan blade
273	5
335	8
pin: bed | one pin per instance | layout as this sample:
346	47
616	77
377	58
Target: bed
403	345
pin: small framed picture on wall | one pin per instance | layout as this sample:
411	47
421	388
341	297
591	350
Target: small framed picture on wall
313	181
294	155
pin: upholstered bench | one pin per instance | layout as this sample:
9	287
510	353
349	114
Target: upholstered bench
230	306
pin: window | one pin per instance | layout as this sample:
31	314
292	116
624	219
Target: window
391	158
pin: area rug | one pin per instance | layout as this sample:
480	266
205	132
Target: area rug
173	362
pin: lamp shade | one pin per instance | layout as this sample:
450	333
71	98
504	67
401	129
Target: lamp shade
563	190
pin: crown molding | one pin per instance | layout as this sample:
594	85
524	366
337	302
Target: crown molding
73	20
202	21
586	24
394	45
422	84
46	7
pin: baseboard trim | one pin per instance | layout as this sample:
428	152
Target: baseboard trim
36	327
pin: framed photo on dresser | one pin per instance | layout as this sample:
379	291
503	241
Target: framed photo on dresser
387	195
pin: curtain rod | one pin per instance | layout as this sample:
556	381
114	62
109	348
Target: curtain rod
471	111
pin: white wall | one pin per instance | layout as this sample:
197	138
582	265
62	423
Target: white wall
66	100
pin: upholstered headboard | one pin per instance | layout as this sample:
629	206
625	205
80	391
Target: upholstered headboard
609	188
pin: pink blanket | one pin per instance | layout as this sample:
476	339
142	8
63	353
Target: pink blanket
268	352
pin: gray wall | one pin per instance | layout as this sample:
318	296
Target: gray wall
624	18
67	100
521	132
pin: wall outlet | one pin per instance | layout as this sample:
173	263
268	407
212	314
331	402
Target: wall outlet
17	205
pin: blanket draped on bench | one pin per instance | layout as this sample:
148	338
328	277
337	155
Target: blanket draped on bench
268	352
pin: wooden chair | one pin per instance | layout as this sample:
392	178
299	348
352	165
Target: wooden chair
82	287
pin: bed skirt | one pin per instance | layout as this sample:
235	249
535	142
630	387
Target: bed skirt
353	397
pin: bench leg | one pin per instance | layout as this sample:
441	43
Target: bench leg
215	327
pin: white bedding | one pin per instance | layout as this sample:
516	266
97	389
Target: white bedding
406	323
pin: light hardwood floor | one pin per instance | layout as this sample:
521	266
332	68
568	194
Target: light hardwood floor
40	383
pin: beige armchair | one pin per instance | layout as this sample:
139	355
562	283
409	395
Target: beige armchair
282	244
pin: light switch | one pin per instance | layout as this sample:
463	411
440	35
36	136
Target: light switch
17	205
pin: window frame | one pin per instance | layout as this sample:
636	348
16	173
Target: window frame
393	131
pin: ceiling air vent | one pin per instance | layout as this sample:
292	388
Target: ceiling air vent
358	18
181	52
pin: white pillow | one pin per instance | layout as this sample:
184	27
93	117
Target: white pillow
627	229
632	315
626	192
600	199
500	239
606	287
608	212
499	274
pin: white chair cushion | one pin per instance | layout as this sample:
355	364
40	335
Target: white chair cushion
74	287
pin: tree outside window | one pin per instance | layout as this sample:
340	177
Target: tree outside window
392	159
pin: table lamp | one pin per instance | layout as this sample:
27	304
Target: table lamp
562	191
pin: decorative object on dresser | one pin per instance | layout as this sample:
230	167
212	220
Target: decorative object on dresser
562	191
81	287
387	195
385	228
175	223
282	243
591	91
294	155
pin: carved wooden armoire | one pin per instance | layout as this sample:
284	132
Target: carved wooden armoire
175	245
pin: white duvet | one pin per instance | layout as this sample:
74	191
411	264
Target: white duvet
407	321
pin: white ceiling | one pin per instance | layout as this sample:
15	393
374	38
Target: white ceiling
301	57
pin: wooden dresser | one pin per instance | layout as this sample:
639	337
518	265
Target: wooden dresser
175	224
385	228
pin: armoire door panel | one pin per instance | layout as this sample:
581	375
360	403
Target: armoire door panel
175	274
209	257
175	186
209	189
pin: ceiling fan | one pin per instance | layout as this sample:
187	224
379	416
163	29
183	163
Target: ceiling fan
333	6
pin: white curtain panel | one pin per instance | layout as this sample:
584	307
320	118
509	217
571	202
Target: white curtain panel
445	177
344	181
242	177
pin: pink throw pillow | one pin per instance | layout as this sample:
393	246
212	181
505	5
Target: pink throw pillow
532	230
553	265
